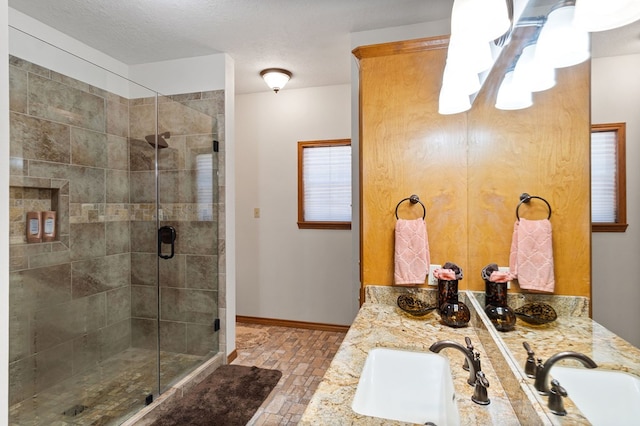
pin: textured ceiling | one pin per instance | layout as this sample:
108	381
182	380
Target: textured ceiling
308	37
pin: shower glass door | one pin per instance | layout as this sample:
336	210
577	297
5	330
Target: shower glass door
187	194
100	324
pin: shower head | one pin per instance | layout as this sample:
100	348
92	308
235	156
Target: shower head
151	140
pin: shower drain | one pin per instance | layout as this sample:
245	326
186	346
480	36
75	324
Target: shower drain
75	410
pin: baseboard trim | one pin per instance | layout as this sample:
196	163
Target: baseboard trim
294	324
233	355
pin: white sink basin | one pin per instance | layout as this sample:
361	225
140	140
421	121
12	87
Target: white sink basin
605	397
407	386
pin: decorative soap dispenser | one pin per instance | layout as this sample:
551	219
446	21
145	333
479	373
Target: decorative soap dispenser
452	312
501	315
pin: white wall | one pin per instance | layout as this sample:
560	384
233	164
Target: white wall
284	272
615	97
4	213
185	75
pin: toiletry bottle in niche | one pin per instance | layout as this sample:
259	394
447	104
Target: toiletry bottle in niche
34	227
49	226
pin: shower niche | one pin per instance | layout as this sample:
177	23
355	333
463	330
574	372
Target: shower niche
38	195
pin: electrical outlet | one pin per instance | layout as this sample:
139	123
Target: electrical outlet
505	269
433	280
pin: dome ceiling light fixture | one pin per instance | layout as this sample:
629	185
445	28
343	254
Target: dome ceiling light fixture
275	78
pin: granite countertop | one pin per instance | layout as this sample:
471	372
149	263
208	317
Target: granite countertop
385	325
578	334
514	400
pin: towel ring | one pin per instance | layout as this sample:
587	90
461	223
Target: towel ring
414	199
525	198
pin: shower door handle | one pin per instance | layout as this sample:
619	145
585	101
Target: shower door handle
166	235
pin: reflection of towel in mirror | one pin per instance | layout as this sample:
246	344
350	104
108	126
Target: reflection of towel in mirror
411	254
531	257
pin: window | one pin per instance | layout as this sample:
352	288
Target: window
324	184
608	178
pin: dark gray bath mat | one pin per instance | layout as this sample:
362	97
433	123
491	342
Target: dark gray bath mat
230	396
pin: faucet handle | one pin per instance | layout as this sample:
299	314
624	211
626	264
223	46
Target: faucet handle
467	341
476	360
530	364
465	365
556	404
528	349
480	395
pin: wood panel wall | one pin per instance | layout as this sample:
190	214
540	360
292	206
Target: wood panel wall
469	169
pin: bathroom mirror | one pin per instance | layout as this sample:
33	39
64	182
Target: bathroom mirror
516	151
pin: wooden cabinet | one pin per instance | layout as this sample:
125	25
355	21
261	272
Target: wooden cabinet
469	169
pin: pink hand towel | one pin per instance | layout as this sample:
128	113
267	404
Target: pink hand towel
411	254
531	257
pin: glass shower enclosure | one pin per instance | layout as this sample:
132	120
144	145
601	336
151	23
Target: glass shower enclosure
121	300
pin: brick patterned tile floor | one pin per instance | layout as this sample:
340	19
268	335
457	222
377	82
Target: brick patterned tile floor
302	355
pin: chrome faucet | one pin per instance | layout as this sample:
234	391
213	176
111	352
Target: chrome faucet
473	358
542	374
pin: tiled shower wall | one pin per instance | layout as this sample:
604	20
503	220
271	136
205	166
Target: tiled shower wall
72	304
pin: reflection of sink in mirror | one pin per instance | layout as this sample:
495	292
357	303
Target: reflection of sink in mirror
407	386
605	397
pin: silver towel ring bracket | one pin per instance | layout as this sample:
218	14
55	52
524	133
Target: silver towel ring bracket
414	199
526	198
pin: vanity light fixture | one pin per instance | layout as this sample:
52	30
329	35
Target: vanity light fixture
599	15
470	53
531	74
452	100
562	44
474	24
275	78
484	20
458	83
512	96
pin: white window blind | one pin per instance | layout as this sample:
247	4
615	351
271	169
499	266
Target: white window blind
603	177
327	183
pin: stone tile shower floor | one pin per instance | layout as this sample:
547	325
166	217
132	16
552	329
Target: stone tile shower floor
112	392
302	355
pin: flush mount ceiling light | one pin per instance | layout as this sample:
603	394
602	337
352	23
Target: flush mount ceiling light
599	15
276	78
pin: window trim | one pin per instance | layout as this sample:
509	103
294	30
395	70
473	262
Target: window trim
303	224
620	225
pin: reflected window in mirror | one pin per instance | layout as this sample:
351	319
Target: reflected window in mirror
608	178
324	184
